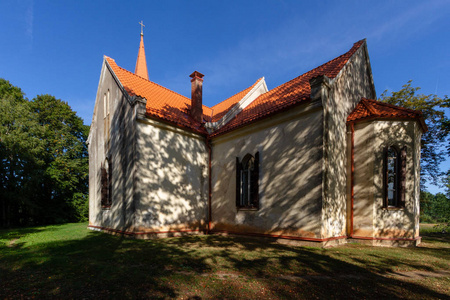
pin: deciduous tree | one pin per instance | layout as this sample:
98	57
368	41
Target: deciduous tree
433	141
44	160
65	157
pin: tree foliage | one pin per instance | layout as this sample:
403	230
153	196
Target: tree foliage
433	140
44	160
434	208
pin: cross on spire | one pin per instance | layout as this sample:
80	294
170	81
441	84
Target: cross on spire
142	27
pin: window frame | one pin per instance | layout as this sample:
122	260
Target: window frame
105	183
399	179
106	120
247	186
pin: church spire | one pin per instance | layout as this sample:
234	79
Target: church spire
141	62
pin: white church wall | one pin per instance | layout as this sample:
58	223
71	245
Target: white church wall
118	150
353	82
171	179
401	222
364	172
290	176
416	161
371	219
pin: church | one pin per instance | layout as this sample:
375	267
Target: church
314	161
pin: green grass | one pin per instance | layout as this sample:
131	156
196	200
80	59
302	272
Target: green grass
433	229
69	261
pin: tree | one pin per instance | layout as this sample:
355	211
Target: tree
44	160
434	208
433	140
20	146
65	180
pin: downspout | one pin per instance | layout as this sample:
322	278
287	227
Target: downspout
352	176
208	145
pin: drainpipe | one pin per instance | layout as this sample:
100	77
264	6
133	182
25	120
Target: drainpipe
208	145
352	176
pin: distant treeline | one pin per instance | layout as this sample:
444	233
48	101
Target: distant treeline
434	208
44	160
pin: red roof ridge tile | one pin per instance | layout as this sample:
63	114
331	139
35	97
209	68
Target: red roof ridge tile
369	107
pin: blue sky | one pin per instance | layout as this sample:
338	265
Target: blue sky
57	47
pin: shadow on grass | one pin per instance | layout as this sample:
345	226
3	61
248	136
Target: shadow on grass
437	237
105	266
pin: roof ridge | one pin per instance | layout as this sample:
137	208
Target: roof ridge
369	108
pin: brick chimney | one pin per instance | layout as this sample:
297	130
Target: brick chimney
196	95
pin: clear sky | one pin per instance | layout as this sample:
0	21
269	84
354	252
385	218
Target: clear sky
57	47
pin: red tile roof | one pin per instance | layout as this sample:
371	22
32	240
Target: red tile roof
167	105
162	103
368	109
291	93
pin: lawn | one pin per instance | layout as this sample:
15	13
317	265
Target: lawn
69	261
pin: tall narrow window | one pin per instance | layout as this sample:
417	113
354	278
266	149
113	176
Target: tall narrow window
105	175
392	177
105	114
247	177
395	176
108	120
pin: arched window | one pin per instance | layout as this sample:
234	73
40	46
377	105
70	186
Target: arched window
394	177
247	177
105	170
